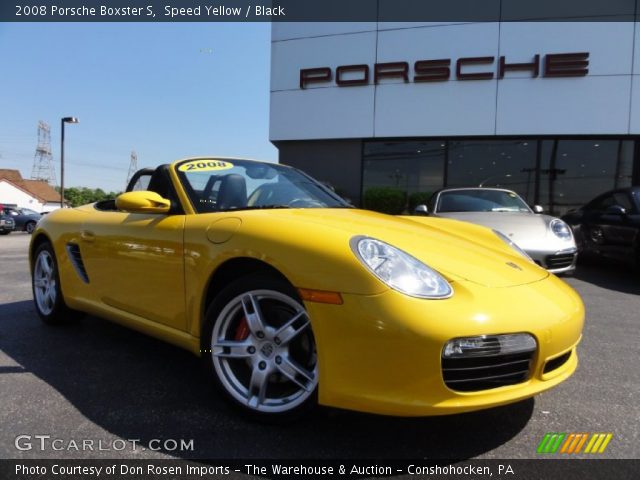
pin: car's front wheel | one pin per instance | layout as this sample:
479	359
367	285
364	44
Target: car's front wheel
45	283
260	348
30	227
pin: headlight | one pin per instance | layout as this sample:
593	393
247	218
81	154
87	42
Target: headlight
560	229
399	270
512	244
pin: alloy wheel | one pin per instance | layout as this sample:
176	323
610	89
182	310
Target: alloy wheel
263	351
44	282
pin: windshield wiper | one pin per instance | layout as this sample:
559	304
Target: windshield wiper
276	206
255	207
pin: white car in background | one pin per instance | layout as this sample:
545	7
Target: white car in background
546	239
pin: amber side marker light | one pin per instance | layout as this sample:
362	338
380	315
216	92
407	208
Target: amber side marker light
320	296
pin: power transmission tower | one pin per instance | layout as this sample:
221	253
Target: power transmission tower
43	168
133	166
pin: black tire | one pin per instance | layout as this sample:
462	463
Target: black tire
30	227
5	232
281	396
53	311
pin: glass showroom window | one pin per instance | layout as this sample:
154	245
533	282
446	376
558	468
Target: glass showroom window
397	176
507	164
572	172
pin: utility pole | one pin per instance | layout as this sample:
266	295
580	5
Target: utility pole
43	168
133	167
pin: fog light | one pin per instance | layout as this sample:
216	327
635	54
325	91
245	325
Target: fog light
488	345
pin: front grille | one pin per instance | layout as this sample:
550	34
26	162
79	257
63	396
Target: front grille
483	373
73	250
559	260
556	362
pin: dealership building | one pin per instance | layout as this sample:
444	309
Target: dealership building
549	109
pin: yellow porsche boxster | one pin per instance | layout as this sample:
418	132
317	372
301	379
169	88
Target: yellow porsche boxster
292	297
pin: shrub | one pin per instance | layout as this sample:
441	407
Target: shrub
385	199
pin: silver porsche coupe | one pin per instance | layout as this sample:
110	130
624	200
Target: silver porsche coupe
546	239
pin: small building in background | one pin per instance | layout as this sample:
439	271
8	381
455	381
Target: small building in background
36	195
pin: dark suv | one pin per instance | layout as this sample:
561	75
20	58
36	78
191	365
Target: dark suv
24	219
7	225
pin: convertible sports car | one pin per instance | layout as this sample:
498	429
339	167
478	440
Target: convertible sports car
546	239
292	297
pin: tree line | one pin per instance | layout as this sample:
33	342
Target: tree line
76	196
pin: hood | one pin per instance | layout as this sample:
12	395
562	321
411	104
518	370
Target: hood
524	229
458	250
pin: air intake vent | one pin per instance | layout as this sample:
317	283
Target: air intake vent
557	362
480	363
73	250
560	260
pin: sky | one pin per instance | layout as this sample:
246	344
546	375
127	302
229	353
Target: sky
167	91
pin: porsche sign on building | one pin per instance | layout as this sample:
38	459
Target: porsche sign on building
549	109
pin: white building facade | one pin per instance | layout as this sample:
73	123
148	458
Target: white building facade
36	195
549	109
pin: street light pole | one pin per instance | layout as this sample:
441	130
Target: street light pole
62	122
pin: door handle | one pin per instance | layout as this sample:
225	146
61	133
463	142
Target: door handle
87	236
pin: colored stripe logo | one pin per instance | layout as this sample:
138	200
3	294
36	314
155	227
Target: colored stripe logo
571	443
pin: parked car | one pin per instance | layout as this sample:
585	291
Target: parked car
7	224
292	297
546	239
25	219
609	226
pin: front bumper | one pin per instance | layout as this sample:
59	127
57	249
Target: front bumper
382	353
7	227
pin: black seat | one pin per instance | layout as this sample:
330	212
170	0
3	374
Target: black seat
232	193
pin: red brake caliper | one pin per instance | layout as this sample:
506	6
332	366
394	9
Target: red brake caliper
242	331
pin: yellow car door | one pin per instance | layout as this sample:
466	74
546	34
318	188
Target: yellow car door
135	263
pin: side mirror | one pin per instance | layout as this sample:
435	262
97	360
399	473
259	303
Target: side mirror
615	210
537	209
142	202
421	210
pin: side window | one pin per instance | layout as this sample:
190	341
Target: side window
623	200
601	203
142	183
617	198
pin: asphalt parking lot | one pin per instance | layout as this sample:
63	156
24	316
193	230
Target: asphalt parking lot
96	380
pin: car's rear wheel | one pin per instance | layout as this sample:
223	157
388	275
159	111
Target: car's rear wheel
45	283
30	227
260	348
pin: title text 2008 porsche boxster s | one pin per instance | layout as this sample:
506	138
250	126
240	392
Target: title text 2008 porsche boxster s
292	297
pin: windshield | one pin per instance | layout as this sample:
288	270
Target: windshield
480	200
223	185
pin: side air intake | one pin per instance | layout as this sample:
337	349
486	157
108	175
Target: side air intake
73	250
